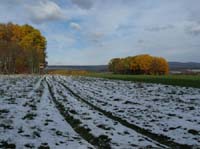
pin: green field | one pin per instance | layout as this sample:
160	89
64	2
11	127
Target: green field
179	80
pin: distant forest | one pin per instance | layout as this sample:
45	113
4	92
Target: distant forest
22	49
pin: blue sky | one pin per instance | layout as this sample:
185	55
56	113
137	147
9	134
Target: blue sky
91	32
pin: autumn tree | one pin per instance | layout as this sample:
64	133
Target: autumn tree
114	65
139	64
22	49
159	66
143	64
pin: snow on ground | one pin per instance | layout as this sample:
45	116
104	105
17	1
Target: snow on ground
30	116
169	110
32	121
99	124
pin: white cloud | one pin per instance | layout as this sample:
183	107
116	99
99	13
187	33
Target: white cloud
75	26
45	10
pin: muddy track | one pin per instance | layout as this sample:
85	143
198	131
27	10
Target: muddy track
101	142
158	138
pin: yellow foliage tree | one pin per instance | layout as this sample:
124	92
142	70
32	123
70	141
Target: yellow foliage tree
22	48
139	64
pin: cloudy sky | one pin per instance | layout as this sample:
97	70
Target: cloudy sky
89	32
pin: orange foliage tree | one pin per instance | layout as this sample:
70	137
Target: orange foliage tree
22	49
140	64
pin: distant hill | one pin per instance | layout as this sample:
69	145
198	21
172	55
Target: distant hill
183	66
95	68
104	68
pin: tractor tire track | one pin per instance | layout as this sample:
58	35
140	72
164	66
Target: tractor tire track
97	142
77	97
164	140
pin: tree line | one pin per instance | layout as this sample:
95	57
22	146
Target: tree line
22	49
139	64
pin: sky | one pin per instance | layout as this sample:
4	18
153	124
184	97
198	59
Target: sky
91	32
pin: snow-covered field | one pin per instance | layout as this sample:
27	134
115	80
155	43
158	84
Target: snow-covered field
80	112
